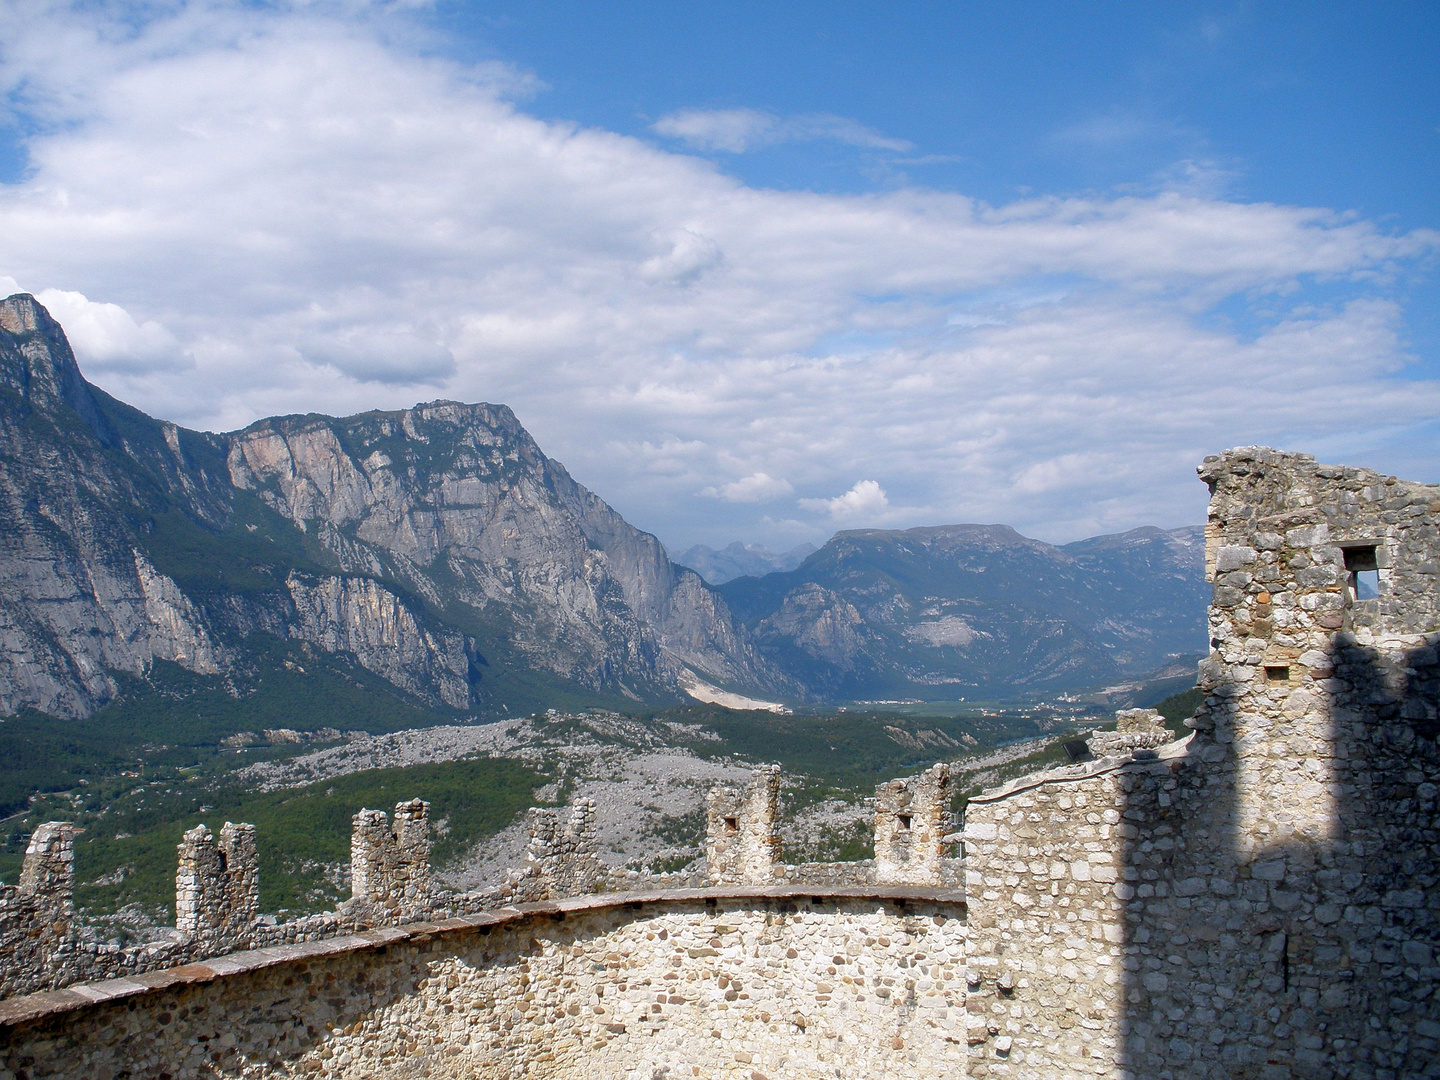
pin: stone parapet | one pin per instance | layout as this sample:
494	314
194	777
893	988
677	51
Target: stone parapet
37	916
390	863
770	980
1257	901
1135	729
562	859
217	889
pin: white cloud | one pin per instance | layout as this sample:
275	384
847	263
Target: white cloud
324	219
866	499
756	488
106	337
740	130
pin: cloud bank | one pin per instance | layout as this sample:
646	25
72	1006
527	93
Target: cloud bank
238	212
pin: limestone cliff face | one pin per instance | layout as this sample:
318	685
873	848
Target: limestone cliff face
459	503
80	601
437	547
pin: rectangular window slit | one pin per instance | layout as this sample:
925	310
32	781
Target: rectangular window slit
1277	673
1362	566
732	824
904	820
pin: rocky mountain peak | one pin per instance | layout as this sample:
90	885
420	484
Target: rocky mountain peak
36	361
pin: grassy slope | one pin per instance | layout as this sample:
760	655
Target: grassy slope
301	832
176	718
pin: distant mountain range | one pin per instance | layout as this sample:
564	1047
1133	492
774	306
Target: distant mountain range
977	610
439	552
741	560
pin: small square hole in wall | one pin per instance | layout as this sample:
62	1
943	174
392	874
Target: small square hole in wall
732	824
1277	673
1363	567
904	820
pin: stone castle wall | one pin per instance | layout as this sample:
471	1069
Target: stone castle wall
764	984
912	819
1263	900
742	831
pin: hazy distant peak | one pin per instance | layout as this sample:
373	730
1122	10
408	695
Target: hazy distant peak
739	559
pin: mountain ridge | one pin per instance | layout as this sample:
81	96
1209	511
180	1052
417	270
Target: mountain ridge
131	540
934	610
439	549
739	559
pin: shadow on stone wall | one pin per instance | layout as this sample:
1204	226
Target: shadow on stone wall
1282	917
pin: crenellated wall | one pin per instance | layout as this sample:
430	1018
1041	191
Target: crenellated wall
742	831
562	859
390	863
912	818
217	889
36	915
759	982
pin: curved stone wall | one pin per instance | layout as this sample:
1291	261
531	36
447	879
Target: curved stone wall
763	982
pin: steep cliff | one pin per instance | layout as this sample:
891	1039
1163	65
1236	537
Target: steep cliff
436	547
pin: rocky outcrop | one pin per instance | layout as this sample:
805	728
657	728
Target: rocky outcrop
437	547
361	617
80	599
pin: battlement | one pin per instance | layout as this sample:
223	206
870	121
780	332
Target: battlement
561	859
912	817
217	889
742	831
390	864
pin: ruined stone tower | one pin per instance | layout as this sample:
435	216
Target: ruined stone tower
912	815
742	832
1264	899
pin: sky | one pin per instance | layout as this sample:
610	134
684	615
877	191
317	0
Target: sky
757	271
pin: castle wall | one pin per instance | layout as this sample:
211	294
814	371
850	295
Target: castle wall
562	859
1259	901
1273	910
769	983
390	863
36	916
1044	883
217	889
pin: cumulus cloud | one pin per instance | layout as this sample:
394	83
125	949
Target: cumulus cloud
740	130
866	499
755	488
106	337
322	217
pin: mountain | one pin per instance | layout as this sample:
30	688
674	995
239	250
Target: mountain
741	560
977	611
436	547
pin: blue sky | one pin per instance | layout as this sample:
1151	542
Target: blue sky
757	271
1315	104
